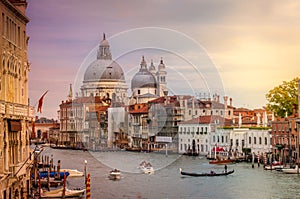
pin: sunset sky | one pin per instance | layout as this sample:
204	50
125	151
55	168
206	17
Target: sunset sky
251	46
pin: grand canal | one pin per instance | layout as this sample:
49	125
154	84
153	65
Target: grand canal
166	182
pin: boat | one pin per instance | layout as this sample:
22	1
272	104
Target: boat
73	172
52	182
227	161
44	174
294	170
58	193
274	166
134	149
210	174
115	174
146	167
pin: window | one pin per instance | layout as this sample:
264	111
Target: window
139	92
214	139
190	112
259	140
222	139
266	141
249	140
237	142
254	140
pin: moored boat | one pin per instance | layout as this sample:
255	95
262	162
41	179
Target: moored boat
274	166
73	172
294	170
44	174
58	193
228	161
210	174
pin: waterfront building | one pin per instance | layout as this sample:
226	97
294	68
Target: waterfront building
83	121
138	126
117	127
202	134
15	112
257	140
40	129
285	139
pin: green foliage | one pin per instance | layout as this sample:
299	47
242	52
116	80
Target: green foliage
282	98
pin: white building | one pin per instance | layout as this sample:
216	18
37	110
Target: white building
256	139
196	134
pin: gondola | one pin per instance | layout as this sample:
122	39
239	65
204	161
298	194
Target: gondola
211	174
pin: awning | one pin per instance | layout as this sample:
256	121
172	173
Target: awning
218	149
14	125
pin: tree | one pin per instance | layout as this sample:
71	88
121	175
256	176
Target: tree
283	98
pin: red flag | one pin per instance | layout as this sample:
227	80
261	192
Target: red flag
41	100
33	130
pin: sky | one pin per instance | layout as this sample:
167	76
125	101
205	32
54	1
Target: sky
241	49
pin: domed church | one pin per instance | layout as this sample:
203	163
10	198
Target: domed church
149	84
105	77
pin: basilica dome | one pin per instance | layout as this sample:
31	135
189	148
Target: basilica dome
104	70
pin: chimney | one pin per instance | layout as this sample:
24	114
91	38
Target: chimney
230	102
225	101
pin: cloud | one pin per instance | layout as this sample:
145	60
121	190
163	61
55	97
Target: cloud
253	43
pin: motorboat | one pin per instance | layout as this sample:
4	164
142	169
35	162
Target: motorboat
210	174
146	167
58	193
115	174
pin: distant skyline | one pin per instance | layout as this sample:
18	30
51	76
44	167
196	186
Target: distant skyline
253	45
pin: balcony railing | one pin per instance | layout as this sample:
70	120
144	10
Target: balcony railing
8	108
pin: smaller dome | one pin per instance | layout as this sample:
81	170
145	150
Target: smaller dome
143	78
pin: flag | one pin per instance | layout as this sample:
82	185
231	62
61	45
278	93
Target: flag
41	100
33	130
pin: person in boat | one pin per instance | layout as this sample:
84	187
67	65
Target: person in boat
225	167
212	172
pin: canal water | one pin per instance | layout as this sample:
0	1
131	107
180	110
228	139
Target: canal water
167	182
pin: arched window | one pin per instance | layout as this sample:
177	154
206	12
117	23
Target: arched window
259	140
266	141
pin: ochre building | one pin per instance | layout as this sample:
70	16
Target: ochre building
15	112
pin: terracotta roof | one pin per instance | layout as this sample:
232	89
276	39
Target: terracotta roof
139	111
209	120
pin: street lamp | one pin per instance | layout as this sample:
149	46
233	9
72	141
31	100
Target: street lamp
85	163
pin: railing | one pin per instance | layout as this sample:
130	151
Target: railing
9	108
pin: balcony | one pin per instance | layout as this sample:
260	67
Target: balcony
15	109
